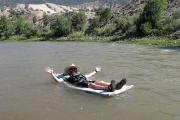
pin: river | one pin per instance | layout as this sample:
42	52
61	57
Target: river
28	93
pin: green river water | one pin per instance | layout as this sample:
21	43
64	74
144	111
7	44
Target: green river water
28	93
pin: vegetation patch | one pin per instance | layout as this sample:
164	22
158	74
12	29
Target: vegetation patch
155	41
149	25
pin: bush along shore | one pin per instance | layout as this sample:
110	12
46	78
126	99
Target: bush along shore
149	26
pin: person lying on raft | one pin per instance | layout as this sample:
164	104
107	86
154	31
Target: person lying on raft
72	75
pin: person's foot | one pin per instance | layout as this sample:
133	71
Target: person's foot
120	84
112	86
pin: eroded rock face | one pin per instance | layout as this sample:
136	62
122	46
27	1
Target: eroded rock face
38	10
119	8
101	3
175	34
64	2
173	4
134	6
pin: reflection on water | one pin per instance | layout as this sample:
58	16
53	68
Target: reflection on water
28	93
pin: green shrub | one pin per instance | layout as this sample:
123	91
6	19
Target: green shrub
31	32
154	11
7	27
60	25
44	32
79	21
109	29
22	26
94	23
133	19
3	25
168	27
146	28
16	12
105	15
123	24
106	30
98	31
34	19
176	13
97	24
176	23
46	19
10	29
77	35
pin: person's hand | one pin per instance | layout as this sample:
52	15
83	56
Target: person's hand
97	69
49	70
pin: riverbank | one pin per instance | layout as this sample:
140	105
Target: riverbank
154	41
150	41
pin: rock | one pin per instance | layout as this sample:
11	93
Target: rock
175	34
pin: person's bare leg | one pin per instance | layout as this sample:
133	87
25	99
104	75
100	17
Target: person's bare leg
95	86
102	83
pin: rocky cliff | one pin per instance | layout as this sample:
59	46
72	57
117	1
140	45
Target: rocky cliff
135	6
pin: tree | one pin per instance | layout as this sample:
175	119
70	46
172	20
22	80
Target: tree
3	25
61	25
46	19
123	24
6	27
16	12
93	23
105	15
22	26
176	13
146	28
34	19
79	21
153	11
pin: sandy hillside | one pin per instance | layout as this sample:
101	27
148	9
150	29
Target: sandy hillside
51	8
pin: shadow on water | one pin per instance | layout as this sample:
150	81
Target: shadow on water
88	95
170	48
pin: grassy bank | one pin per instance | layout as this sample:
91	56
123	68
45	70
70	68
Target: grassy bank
152	41
61	39
21	38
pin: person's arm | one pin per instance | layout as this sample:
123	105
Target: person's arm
58	80
97	69
51	71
